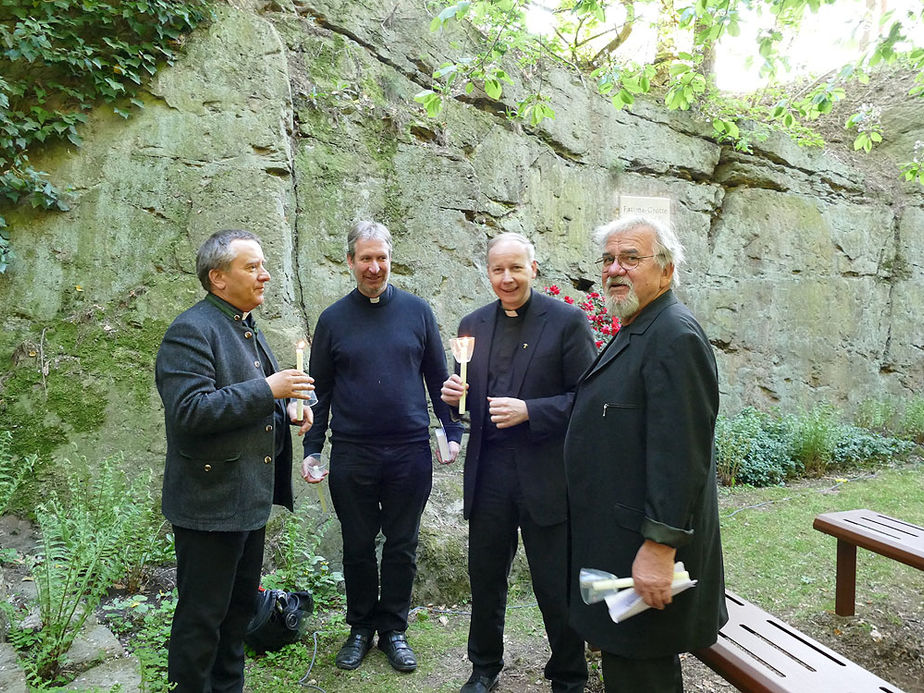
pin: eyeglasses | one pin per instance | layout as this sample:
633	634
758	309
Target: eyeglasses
627	262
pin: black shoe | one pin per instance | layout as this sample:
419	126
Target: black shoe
480	683
400	655
353	650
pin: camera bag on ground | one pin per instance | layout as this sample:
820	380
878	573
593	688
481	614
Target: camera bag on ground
279	620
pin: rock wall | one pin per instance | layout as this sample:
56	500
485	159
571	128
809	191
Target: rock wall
295	119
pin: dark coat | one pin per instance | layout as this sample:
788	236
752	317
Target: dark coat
220	420
640	464
559	347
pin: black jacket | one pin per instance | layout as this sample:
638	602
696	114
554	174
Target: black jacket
558	348
640	464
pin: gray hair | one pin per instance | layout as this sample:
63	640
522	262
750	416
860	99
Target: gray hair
513	236
216	253
668	248
367	231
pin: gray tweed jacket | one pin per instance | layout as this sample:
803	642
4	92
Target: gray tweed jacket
222	472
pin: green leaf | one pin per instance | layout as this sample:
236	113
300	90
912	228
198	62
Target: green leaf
623	98
493	88
431	101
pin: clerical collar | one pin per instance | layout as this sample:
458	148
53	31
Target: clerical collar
517	312
379	300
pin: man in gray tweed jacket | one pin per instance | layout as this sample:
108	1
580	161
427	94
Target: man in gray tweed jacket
229	458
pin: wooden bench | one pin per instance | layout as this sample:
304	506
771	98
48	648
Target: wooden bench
872	531
759	653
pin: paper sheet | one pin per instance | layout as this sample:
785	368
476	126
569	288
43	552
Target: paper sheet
628	603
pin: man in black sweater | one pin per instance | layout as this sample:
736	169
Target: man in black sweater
372	355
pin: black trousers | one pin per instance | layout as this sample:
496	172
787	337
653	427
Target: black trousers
379	488
497	512
217	577
658	675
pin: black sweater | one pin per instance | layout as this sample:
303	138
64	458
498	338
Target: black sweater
370	362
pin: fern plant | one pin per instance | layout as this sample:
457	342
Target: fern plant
89	540
13	472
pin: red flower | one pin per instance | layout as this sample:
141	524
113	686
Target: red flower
602	324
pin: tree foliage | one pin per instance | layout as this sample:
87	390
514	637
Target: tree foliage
586	36
58	59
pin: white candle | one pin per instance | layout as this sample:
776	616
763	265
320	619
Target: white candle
300	365
462	348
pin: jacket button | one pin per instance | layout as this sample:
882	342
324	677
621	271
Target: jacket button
237	318
248	335
268	428
256	364
267	459
208	467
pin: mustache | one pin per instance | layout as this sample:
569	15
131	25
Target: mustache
618	281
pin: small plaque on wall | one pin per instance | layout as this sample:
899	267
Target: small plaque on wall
658	208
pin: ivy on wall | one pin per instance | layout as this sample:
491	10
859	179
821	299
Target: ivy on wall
59	59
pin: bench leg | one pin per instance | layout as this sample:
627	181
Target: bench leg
846	590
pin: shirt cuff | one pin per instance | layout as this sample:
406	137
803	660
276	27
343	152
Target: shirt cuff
661	533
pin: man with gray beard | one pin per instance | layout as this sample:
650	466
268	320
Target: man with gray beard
640	467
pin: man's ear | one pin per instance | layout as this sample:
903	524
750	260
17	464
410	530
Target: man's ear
350	260
667	274
217	279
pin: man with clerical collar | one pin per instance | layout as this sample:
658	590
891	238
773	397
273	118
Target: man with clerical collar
529	353
375	354
229	459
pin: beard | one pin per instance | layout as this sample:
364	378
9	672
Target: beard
622	308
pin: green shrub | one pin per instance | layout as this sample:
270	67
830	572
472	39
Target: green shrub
752	448
299	566
814	435
912	425
89	540
761	450
855	446
146	624
876	415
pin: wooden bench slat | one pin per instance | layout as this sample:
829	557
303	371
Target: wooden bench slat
759	653
888	536
891	537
